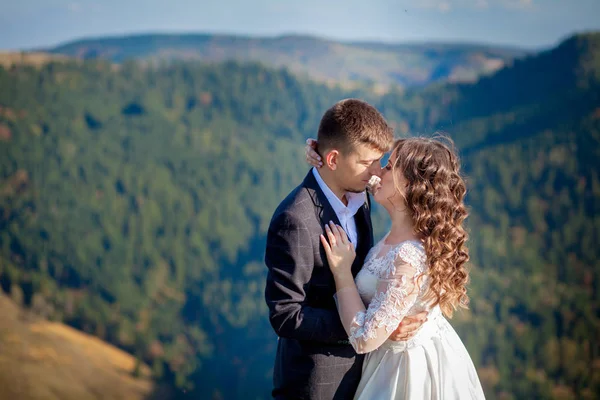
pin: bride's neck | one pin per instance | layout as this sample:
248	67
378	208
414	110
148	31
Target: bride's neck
401	230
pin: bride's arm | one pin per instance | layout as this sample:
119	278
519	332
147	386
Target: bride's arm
396	291
396	294
310	152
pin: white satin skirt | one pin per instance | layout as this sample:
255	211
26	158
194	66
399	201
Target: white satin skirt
434	364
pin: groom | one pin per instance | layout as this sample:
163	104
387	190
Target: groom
314	359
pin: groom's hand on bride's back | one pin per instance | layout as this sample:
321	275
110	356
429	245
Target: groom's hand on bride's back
409	327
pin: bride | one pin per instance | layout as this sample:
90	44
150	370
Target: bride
419	265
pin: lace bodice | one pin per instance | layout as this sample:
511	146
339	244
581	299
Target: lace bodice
380	262
391	284
433	363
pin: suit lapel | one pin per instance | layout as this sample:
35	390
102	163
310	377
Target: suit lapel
365	236
326	213
324	210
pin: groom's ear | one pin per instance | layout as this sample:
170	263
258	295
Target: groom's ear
331	159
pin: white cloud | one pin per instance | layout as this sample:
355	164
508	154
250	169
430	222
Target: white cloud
444	6
74	7
523	4
447	5
440	5
82	6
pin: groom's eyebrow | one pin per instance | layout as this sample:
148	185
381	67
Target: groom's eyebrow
372	159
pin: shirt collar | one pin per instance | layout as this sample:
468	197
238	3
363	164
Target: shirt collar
355	200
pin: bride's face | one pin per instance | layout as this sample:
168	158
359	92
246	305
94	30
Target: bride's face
390	191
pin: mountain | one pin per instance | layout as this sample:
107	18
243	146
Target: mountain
7	59
134	203
47	360
529	137
320	59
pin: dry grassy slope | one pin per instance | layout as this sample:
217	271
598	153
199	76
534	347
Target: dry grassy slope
41	360
8	59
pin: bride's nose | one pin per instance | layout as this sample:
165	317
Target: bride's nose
375	170
379	172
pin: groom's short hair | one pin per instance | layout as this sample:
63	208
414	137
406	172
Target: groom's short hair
350	122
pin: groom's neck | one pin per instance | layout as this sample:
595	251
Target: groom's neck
330	180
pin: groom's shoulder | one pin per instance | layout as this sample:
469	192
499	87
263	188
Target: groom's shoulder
296	203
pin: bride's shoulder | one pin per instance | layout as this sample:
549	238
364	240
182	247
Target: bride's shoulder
412	252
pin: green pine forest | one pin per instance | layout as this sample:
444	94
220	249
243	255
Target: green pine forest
134	203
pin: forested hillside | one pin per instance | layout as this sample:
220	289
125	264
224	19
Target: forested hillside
530	141
134	203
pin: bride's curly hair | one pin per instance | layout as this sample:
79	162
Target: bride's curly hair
434	199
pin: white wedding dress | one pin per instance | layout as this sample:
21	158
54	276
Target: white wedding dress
434	364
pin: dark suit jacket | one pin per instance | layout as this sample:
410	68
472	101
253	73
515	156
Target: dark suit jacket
314	358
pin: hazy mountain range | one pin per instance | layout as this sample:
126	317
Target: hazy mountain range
320	59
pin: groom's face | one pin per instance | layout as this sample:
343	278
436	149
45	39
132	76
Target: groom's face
357	166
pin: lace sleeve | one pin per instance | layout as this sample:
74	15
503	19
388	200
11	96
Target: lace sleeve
397	292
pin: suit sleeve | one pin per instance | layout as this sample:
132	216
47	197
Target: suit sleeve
290	261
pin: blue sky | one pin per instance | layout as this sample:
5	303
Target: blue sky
27	24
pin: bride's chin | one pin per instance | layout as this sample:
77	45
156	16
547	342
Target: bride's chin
374	194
